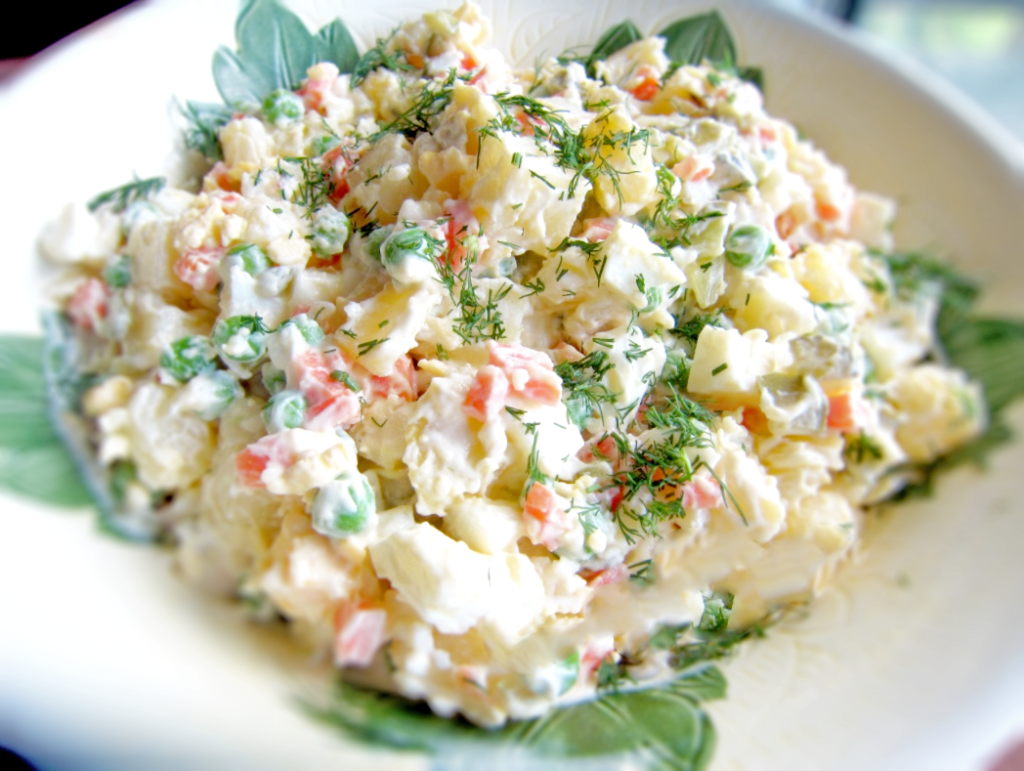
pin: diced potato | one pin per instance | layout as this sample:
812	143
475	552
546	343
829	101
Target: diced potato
626	182
728	364
940	408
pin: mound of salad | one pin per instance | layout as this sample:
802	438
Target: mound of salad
500	386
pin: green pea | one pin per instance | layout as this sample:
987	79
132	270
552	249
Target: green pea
274	379
408	256
344	506
222	390
249	257
122	474
748	246
282	107
331	230
411	242
569	671
118	272
286	409
323	145
310	330
375	239
240	338
187	357
507	266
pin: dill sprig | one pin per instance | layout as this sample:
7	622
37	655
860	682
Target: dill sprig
670	224
367	346
652	472
586	157
429	103
314	189
478	319
862	447
591	249
582	390
378	57
120	198
690	330
204	124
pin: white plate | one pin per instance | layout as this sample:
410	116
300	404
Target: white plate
915	659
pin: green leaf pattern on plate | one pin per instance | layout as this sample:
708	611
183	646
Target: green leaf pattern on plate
274	51
33	461
660	728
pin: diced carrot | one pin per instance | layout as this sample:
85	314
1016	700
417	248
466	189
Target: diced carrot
359	632
545	520
487	394
785	224
646	90
228	201
828	212
530	373
198	268
598	228
250	467
510	356
313	92
251	462
401	381
331	403
528	123
219	175
696	168
594	653
339	410
609	575
767	134
605	449
702	492
542	387
617	498
848	411
415	60
88	305
478	77
755	421
468	62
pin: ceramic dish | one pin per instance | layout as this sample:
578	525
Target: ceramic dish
913	660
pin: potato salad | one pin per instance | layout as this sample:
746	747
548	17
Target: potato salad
500	386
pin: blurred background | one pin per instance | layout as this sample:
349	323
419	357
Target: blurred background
976	45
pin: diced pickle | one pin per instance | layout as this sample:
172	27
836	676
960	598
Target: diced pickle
824	357
793	403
